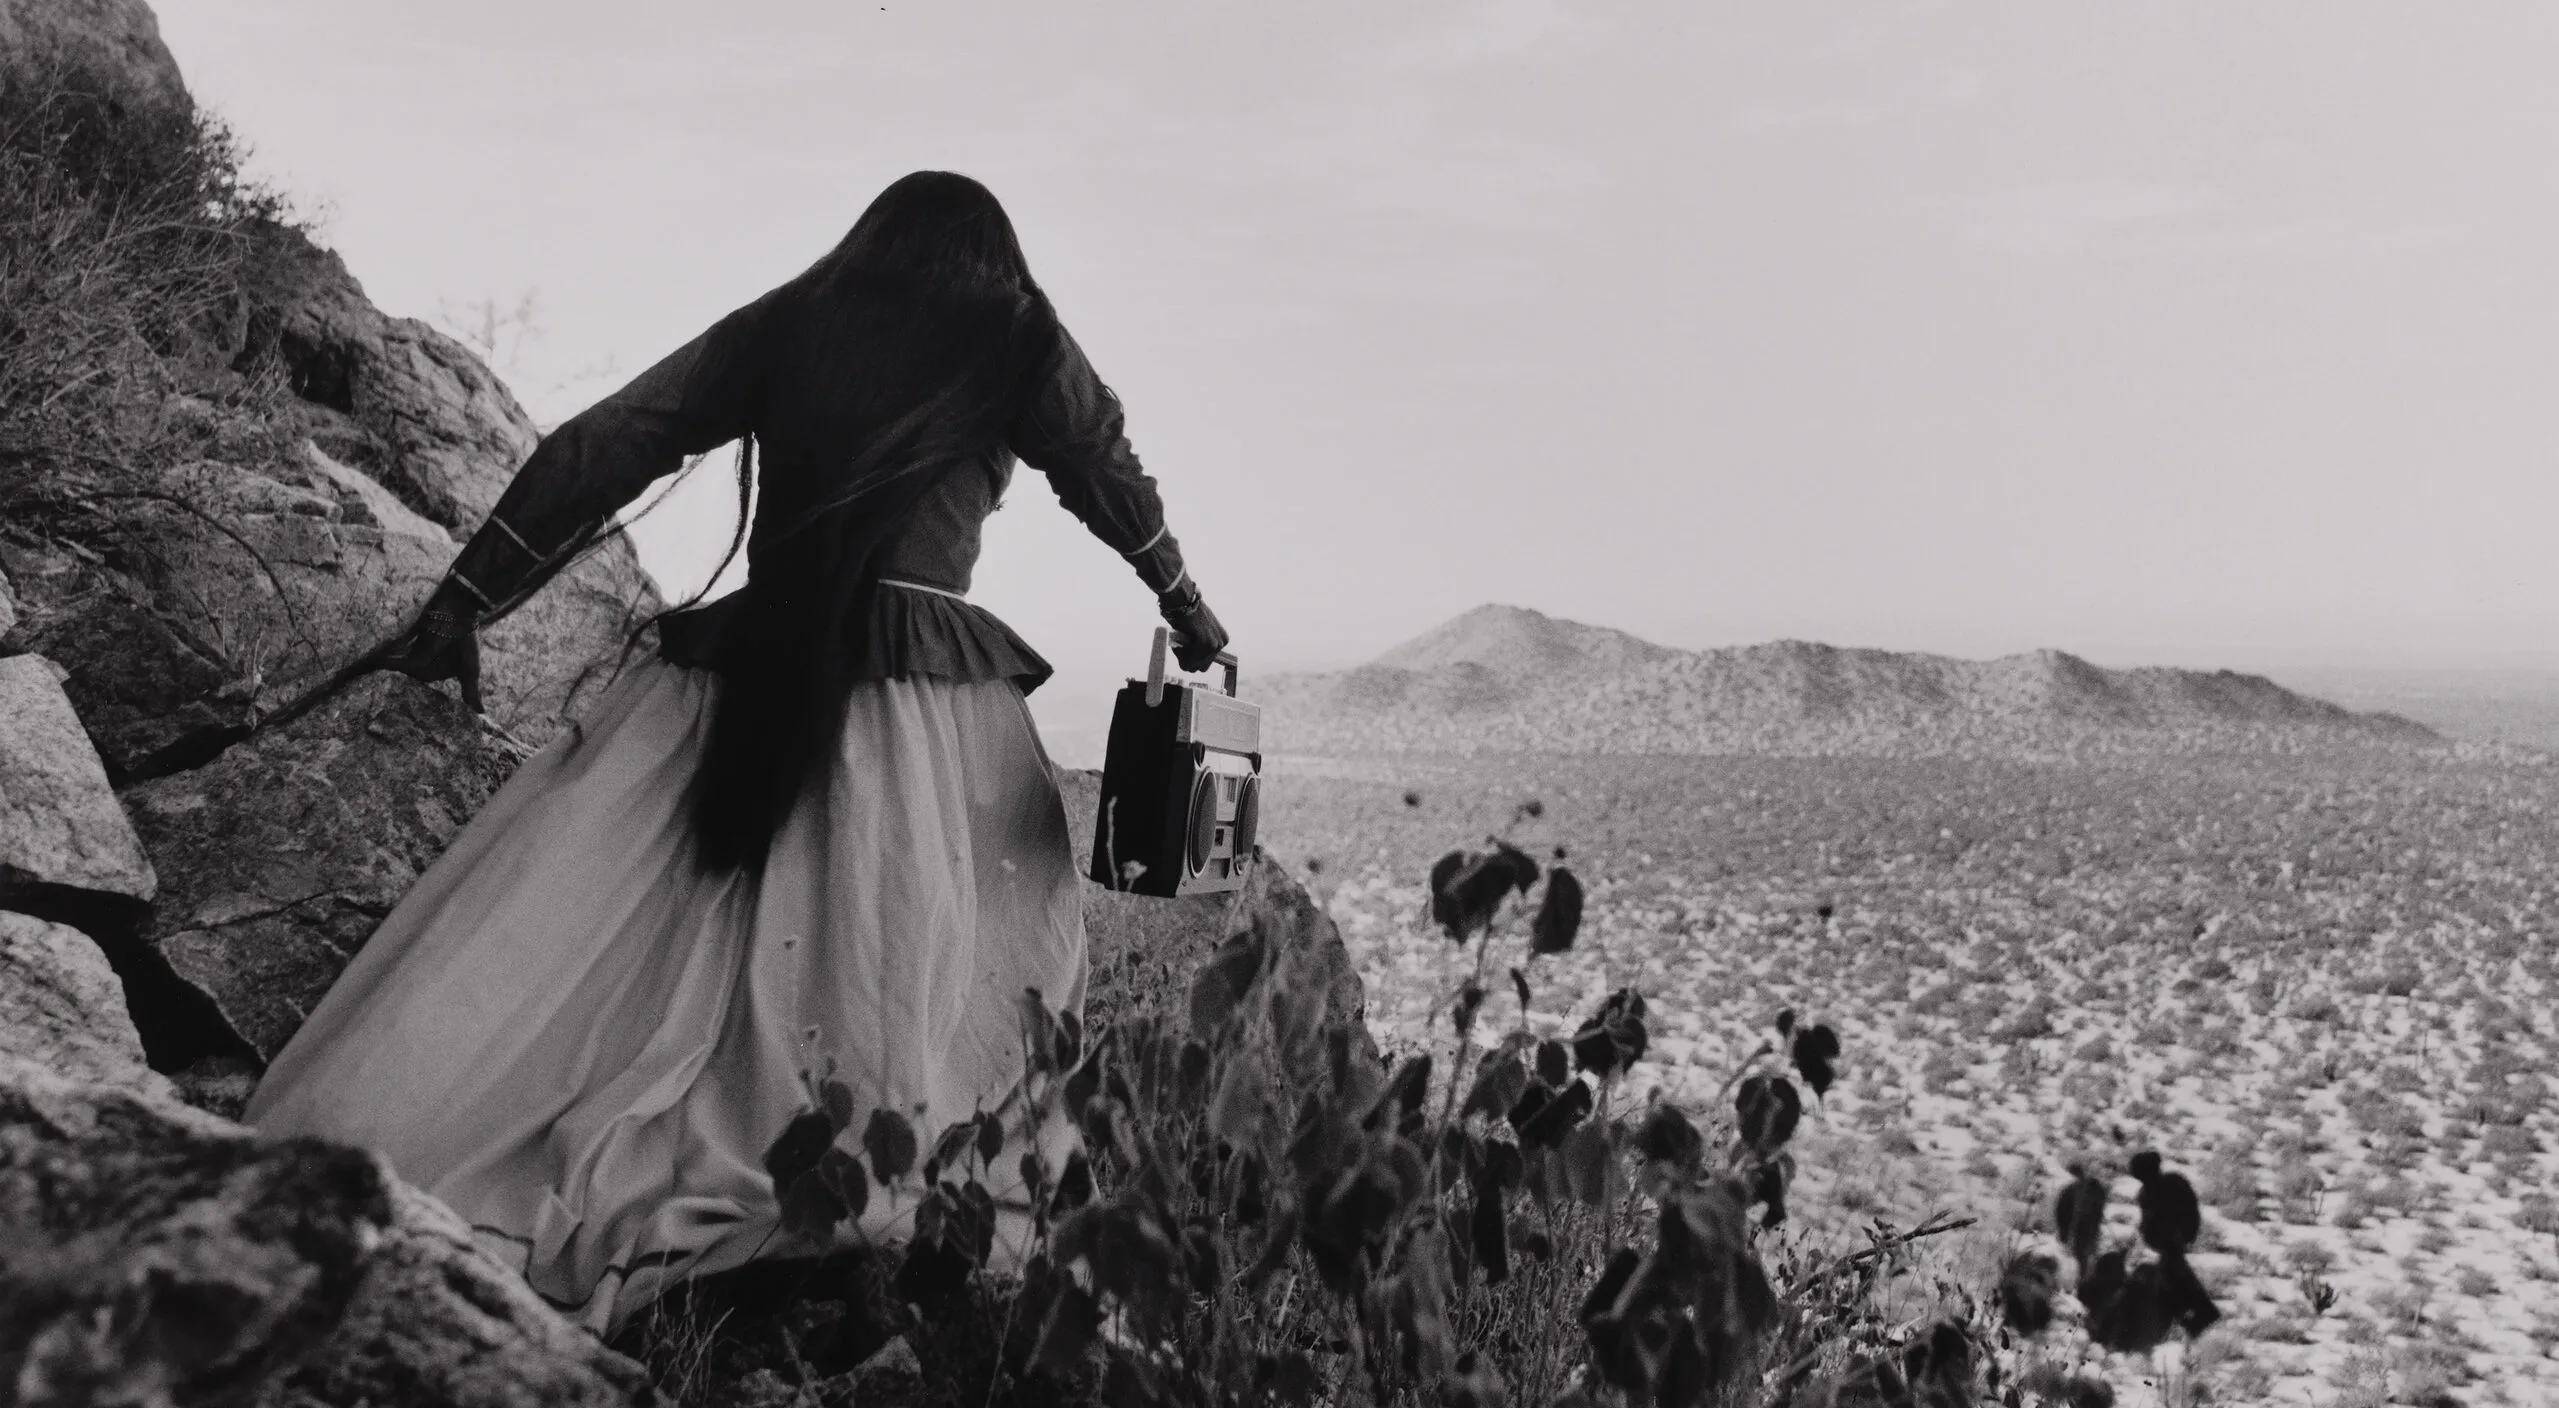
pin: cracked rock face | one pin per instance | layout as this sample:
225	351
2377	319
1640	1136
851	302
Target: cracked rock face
232	592
158	1255
435	1321
286	851
218	593
64	840
156	1259
151	1253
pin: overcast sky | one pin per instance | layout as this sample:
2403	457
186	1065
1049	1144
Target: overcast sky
2203	334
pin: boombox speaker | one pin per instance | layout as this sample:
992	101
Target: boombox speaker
1181	786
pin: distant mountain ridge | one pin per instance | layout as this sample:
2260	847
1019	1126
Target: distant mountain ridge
1504	679
1516	639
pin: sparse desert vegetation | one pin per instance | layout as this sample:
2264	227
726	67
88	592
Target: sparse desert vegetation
2322	979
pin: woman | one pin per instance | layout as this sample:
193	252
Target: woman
818	829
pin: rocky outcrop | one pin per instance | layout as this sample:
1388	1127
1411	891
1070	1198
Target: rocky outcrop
290	471
394	403
62	1008
112	42
300	470
65	846
156	1258
225	592
1144	949
211	594
69	854
157	1255
392	396
286	851
436	1322
307	468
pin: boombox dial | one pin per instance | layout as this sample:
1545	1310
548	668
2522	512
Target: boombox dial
1181	786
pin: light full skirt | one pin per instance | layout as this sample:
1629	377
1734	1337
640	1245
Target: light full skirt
584	1044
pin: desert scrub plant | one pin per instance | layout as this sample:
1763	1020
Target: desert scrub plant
129	246
132	254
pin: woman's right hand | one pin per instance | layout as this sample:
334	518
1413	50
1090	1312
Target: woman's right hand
441	644
1197	635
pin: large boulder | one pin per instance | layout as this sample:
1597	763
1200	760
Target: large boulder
69	854
215	594
222	594
437	1323
115	43
62	1008
401	401
285	852
157	1254
65	846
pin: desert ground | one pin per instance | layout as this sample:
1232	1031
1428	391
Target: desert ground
2319	984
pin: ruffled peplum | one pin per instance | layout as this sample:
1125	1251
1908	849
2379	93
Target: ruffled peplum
911	633
928	634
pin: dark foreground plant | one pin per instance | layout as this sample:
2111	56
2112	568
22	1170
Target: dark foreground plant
1258	1210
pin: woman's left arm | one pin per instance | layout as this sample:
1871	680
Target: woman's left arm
1072	430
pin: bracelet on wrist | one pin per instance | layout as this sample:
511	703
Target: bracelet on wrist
445	622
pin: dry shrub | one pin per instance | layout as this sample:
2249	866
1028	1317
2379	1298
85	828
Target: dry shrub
129	248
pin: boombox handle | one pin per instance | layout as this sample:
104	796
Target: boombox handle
1155	667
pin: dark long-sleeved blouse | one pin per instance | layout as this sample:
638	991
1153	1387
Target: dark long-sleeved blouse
1067	424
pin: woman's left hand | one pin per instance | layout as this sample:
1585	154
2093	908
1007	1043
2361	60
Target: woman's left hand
1198	637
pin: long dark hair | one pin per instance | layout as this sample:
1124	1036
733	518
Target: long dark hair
898	353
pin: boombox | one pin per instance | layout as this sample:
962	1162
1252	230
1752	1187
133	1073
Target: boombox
1181	786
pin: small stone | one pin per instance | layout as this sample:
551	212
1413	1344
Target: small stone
896	1358
764	1388
220	1085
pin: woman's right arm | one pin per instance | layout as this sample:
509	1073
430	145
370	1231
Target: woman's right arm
582	473
1071	429
601	459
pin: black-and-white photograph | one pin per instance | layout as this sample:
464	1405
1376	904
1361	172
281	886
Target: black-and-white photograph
1129	704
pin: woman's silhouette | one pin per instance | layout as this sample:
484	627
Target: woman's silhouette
816	826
